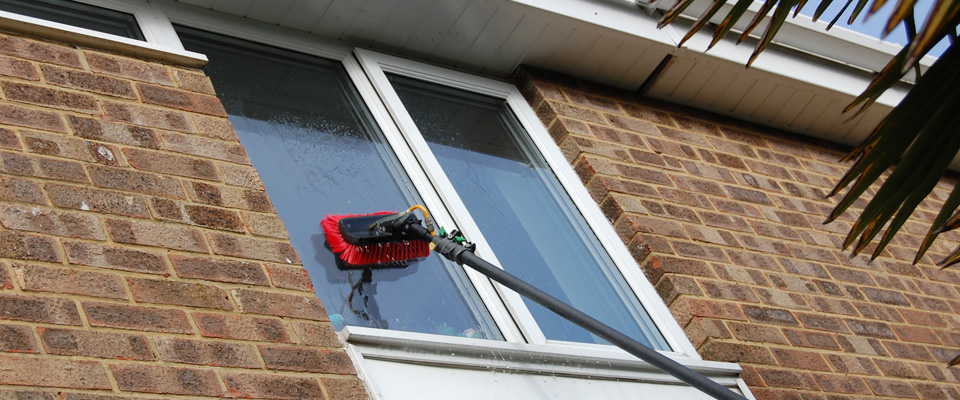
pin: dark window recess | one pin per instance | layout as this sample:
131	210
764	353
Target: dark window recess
77	14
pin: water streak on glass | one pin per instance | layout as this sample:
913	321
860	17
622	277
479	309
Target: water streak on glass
318	151
523	211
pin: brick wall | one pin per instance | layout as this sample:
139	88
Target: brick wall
725	219
139	253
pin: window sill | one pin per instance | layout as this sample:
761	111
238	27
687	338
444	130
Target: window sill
398	364
98	40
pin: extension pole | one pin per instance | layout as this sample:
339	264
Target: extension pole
463	256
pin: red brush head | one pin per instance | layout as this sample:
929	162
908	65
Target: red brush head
358	247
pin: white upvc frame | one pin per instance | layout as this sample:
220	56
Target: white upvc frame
366	69
376	64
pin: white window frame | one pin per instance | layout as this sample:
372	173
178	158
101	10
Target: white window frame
526	345
377	64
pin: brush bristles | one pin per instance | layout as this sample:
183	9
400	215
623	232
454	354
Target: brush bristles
390	254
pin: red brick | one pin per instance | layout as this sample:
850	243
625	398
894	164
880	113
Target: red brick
205	352
288	277
127	68
934	391
17	339
242	327
18	68
889	388
788	379
729	291
86	81
95	129
98	201
748	195
317	334
861	345
880	312
215	218
38	51
757	333
27	247
124	316
284	305
306	359
38	309
167	210
687	308
51	222
147	116
702	252
181	100
272	386
119	258
54	98
774	230
899	369
813	253
219	270
736	352
770	315
53	144
701	329
31	118
929	303
644	174
157	235
136	181
253	248
268	225
852	365
169	164
822	322
345	389
806	360
832	305
17	189
871	329
600	185
179	293
672	286
886	296
851	275
166	380
817	340
842	384
909	351
782	299
206	148
99	344
630	224
53	372
68	280
240	175
215	127
193	81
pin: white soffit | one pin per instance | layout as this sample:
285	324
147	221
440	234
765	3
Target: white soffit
799	84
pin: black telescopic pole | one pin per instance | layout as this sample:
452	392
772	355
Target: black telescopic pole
463	256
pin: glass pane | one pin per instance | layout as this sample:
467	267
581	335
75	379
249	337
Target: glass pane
77	14
524	213
319	152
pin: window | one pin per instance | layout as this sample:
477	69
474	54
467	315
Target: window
77	14
320	151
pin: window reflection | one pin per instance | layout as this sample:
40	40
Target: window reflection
319	152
